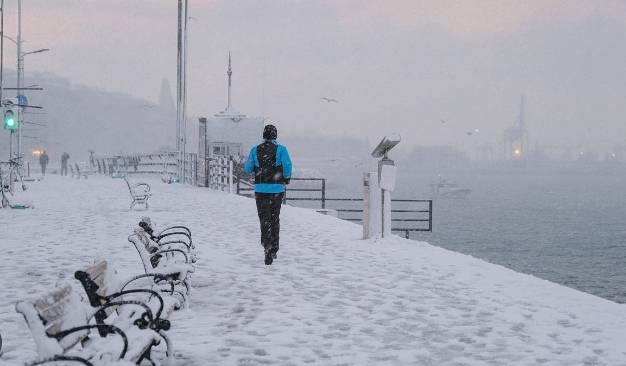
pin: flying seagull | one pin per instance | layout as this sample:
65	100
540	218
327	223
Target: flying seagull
443	121
329	100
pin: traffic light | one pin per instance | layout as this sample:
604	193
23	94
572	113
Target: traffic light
9	121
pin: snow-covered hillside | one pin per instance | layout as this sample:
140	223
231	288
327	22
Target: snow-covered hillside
329	299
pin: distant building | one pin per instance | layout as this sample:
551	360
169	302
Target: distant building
515	140
228	133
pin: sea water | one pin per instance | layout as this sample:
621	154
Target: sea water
569	229
566	227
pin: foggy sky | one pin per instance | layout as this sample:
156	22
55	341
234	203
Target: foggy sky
395	65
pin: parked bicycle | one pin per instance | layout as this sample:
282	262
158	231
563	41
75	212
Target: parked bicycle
9	176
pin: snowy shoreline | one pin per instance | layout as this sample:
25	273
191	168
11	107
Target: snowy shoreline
331	298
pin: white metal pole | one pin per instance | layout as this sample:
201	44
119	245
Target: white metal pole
179	90
372	226
386	213
184	113
1	47
366	205
20	72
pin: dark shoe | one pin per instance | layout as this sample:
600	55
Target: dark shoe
268	258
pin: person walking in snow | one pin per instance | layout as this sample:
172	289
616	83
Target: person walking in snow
64	158
43	161
271	165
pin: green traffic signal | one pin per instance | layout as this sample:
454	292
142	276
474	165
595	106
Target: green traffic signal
9	121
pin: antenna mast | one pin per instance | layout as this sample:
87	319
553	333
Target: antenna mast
229	73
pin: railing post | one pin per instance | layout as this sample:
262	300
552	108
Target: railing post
230	176
430	215
323	193
209	174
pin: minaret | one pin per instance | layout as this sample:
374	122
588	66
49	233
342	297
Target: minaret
230	111
230	73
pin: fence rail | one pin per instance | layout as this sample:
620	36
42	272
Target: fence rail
224	174
409	217
164	164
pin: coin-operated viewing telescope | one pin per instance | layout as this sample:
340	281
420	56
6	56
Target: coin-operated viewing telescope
388	142
377	190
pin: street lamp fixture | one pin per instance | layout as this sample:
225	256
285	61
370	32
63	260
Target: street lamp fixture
36	51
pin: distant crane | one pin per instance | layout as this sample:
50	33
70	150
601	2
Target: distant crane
515	138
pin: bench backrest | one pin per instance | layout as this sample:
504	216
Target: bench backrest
141	241
58	310
98	274
99	285
130	189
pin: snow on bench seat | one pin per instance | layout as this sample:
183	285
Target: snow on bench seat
59	324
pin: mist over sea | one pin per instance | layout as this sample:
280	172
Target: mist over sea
563	225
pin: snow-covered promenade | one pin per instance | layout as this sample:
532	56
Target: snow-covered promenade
329	299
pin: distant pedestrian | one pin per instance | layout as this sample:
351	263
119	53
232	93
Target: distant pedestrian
43	161
271	165
92	160
64	158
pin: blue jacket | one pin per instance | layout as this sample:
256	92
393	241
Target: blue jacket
282	158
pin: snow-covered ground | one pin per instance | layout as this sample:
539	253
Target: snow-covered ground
329	299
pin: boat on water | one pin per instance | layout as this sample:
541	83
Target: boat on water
446	189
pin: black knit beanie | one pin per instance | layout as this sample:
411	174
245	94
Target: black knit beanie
270	133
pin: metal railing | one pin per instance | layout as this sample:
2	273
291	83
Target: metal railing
219	174
164	163
409	215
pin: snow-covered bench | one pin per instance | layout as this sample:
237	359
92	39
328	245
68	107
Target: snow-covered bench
84	172
107	294
139	192
177	236
173	265
60	326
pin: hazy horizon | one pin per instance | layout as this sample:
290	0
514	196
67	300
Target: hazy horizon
398	67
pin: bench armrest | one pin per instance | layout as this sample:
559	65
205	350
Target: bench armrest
172	251
177	228
141	322
58	358
144	186
176	235
102	328
123	292
187	246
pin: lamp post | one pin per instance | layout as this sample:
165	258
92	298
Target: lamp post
20	81
181	87
1	46
20	96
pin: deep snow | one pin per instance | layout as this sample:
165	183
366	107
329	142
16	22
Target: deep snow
329	299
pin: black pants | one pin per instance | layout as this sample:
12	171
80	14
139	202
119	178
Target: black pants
268	208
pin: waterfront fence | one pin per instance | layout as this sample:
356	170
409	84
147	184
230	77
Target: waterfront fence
407	215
